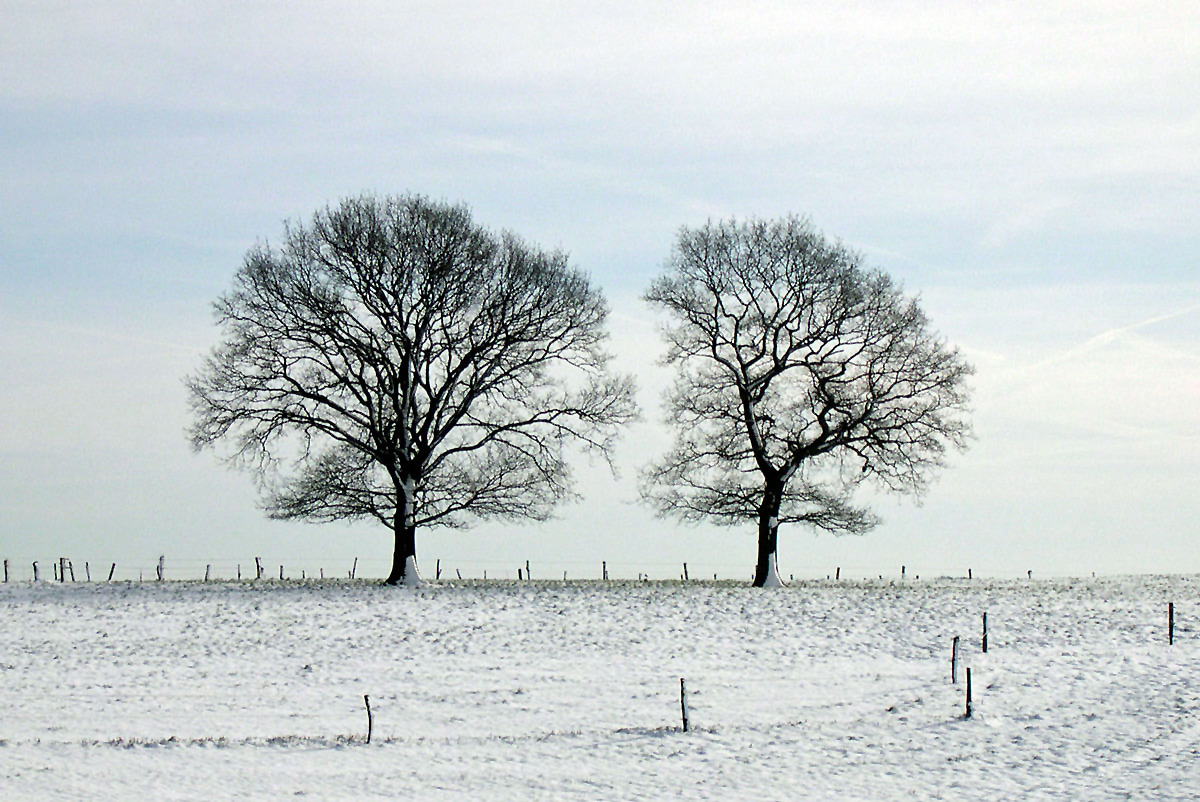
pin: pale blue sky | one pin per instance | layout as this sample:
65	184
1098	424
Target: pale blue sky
1034	173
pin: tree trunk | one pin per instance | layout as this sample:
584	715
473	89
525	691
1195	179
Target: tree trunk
404	523
403	560
766	574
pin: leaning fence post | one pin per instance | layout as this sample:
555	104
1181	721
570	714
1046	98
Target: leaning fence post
354	569
111	571
683	708
71	568
438	571
62	569
258	569
207	569
685	573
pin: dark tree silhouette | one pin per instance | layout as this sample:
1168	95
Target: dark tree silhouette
800	374
394	360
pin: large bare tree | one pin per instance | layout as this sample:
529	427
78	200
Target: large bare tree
394	360
800	374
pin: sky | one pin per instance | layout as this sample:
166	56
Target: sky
1030	170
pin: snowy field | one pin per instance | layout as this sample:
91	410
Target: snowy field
503	690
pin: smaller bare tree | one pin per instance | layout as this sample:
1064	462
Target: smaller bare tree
800	374
394	360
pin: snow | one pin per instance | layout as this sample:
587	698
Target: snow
504	690
412	578
772	580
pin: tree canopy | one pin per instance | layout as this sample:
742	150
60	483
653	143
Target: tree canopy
394	360
800	373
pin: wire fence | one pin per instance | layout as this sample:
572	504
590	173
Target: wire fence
342	566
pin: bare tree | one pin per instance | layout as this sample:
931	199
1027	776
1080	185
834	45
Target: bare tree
394	360
800	374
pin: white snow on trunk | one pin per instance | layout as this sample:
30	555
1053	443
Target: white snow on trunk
411	579
772	580
410	489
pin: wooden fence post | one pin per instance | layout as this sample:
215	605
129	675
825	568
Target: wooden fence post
207	569
258	569
71	568
1170	623
604	570
111	571
6	571
160	567
438	571
35	571
954	661
528	573
838	574
969	707
370	718
683	708
87	570
685	573
984	641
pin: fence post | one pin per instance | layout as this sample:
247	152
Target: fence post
6	571
35	571
604	570
1170	623
969	707
160	567
111	571
87	570
685	573
370	718
683	708
258	569
207	569
984	633
954	661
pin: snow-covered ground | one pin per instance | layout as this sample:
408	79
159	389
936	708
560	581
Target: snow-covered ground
502	690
